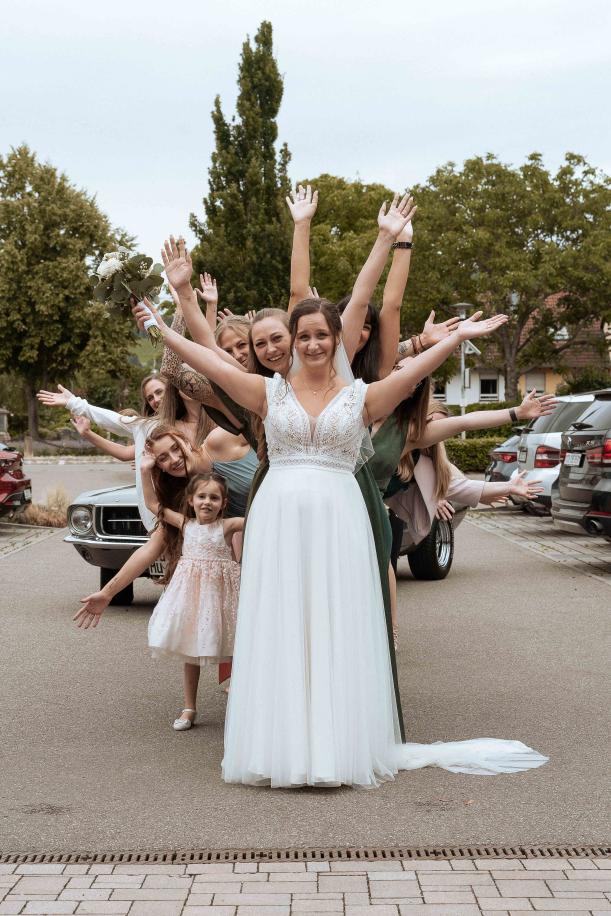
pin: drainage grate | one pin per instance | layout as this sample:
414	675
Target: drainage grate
192	856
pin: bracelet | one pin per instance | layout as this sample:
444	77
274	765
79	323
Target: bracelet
421	344
396	245
414	342
513	415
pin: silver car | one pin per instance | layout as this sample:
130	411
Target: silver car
105	528
540	444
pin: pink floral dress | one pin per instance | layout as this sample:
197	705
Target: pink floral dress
195	617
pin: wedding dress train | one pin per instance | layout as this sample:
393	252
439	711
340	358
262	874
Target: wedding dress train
312	699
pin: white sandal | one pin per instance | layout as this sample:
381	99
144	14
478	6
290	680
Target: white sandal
181	725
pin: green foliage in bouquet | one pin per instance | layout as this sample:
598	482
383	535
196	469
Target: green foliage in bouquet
122	275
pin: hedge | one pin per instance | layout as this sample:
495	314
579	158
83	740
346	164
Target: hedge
472	455
504	431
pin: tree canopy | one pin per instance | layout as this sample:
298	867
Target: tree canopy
51	233
244	239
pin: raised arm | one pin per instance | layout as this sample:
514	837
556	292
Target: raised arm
392	300
115	449
95	604
430	334
383	396
389	226
246	389
530	408
302	205
178	268
209	294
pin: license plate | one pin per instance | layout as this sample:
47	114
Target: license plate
27	494
522	455
157	569
573	459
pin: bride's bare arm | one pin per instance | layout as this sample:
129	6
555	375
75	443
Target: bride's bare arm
246	389
382	397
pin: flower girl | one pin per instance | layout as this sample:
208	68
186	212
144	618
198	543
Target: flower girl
195	617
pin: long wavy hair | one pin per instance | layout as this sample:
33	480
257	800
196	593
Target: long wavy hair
238	323
170	492
173	549
414	415
366	363
257	368
173	408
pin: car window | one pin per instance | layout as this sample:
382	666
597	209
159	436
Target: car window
596	416
560	420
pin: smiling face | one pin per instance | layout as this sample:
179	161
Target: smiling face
315	344
271	342
169	456
153	392
235	344
208	501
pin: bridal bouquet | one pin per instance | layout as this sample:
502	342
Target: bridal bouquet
122	276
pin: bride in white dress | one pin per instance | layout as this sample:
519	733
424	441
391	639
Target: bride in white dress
312	700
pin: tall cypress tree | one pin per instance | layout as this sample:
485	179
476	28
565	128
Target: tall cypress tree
245	238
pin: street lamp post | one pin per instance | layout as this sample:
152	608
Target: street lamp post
466	349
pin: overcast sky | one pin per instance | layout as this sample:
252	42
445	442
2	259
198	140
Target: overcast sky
118	93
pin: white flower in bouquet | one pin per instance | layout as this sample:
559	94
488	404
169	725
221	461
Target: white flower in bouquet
109	266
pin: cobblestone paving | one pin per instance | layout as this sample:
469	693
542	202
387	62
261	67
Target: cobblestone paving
588	555
458	887
16	537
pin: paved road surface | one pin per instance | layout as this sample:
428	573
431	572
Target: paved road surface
510	645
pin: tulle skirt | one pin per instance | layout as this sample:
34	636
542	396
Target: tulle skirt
312	699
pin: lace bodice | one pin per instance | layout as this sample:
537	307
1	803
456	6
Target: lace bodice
205	542
331	440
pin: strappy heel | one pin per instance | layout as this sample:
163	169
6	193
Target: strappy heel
182	725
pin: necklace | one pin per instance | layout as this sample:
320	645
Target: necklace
318	391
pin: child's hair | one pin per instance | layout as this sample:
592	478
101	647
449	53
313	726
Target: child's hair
175	536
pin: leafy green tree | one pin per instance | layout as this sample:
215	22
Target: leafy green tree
506	238
245	237
51	234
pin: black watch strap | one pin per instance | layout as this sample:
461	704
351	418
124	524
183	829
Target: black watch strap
513	415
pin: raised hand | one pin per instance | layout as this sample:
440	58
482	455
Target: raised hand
58	398
208	292
472	327
177	263
141	314
399	214
81	424
147	462
302	204
407	233
533	406
527	489
93	608
432	333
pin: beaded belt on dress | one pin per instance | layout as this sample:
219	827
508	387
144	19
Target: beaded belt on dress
322	462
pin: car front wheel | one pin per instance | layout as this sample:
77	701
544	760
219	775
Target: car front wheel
125	596
432	558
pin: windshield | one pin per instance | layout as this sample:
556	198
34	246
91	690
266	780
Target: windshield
596	416
560	420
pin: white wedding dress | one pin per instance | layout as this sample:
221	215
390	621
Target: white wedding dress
311	699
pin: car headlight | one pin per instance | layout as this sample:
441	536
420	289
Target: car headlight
81	519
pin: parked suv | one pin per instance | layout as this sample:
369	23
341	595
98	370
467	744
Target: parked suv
539	448
105	528
584	486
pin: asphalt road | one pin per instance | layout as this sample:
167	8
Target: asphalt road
510	645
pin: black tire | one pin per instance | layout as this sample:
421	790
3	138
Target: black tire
432	558
125	596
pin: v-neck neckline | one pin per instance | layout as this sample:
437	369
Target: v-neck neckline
314	426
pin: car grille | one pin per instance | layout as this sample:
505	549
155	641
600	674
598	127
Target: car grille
120	521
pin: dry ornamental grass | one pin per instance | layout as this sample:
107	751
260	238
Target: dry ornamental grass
52	514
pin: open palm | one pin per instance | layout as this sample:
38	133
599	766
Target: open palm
398	216
55	398
472	327
93	608
302	204
177	262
